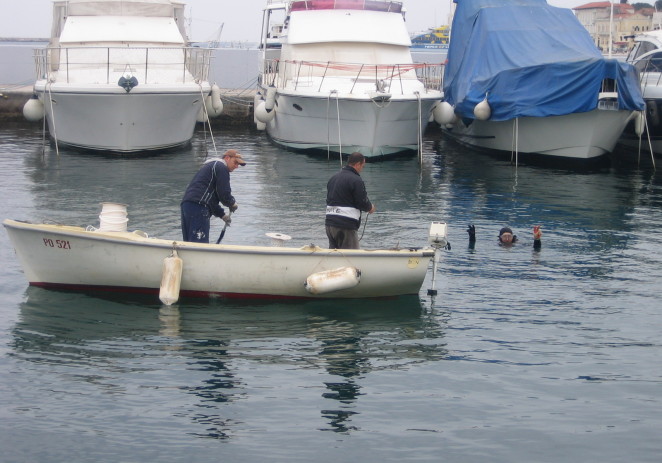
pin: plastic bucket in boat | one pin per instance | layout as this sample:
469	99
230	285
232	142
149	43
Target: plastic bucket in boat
114	224
113	207
113	215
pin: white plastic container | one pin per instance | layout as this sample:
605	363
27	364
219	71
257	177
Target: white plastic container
113	207
113	217
112	224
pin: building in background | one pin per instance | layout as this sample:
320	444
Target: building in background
619	26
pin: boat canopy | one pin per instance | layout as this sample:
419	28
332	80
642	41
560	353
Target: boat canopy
121	29
121	8
89	13
343	26
529	59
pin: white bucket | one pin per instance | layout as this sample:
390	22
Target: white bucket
112	224
113	217
113	214
113	207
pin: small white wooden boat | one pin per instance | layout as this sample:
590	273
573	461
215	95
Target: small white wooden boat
88	259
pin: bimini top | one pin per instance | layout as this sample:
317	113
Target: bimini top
529	59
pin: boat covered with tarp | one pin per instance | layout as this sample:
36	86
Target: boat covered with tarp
524	59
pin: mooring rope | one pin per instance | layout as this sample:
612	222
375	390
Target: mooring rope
207	120
419	139
339	135
50	99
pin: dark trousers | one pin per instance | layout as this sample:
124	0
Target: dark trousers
195	222
342	238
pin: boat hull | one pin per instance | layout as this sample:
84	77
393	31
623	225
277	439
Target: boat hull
346	125
73	258
107	118
581	136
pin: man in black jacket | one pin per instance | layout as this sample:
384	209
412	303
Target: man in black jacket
346	198
209	189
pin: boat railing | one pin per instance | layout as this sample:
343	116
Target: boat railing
163	65
371	5
650	71
317	76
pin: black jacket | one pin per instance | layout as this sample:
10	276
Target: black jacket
346	189
211	186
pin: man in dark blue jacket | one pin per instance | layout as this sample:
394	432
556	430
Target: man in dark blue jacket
346	198
209	189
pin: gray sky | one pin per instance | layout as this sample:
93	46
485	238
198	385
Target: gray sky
241	19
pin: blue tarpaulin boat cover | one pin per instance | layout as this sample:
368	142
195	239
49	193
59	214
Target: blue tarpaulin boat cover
530	59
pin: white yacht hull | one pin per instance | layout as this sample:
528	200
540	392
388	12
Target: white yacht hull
581	136
105	117
346	125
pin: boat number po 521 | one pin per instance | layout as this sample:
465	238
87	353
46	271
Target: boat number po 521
60	244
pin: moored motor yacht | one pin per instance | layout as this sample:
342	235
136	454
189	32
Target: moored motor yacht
525	78
119	76
343	79
646	57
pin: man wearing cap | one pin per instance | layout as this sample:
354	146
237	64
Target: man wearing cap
205	195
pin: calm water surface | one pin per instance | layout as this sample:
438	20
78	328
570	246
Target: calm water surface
524	356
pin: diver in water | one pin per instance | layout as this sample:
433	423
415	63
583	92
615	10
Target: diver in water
506	236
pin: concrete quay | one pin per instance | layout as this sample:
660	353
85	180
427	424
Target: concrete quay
237	106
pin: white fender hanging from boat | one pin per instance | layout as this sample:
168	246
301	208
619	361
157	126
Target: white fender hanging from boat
213	102
171	279
444	113
332	280
639	122
482	111
262	114
33	110
270	99
257	99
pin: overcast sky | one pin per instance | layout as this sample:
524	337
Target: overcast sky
241	19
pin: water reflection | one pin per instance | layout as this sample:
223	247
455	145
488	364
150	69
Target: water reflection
211	351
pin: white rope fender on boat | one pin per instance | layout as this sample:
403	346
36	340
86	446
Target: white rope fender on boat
332	280
171	278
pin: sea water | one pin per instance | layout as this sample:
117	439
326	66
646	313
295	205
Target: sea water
523	356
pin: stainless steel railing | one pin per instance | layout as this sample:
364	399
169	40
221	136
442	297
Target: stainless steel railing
106	64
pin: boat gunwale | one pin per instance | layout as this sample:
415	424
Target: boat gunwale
134	239
353	97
